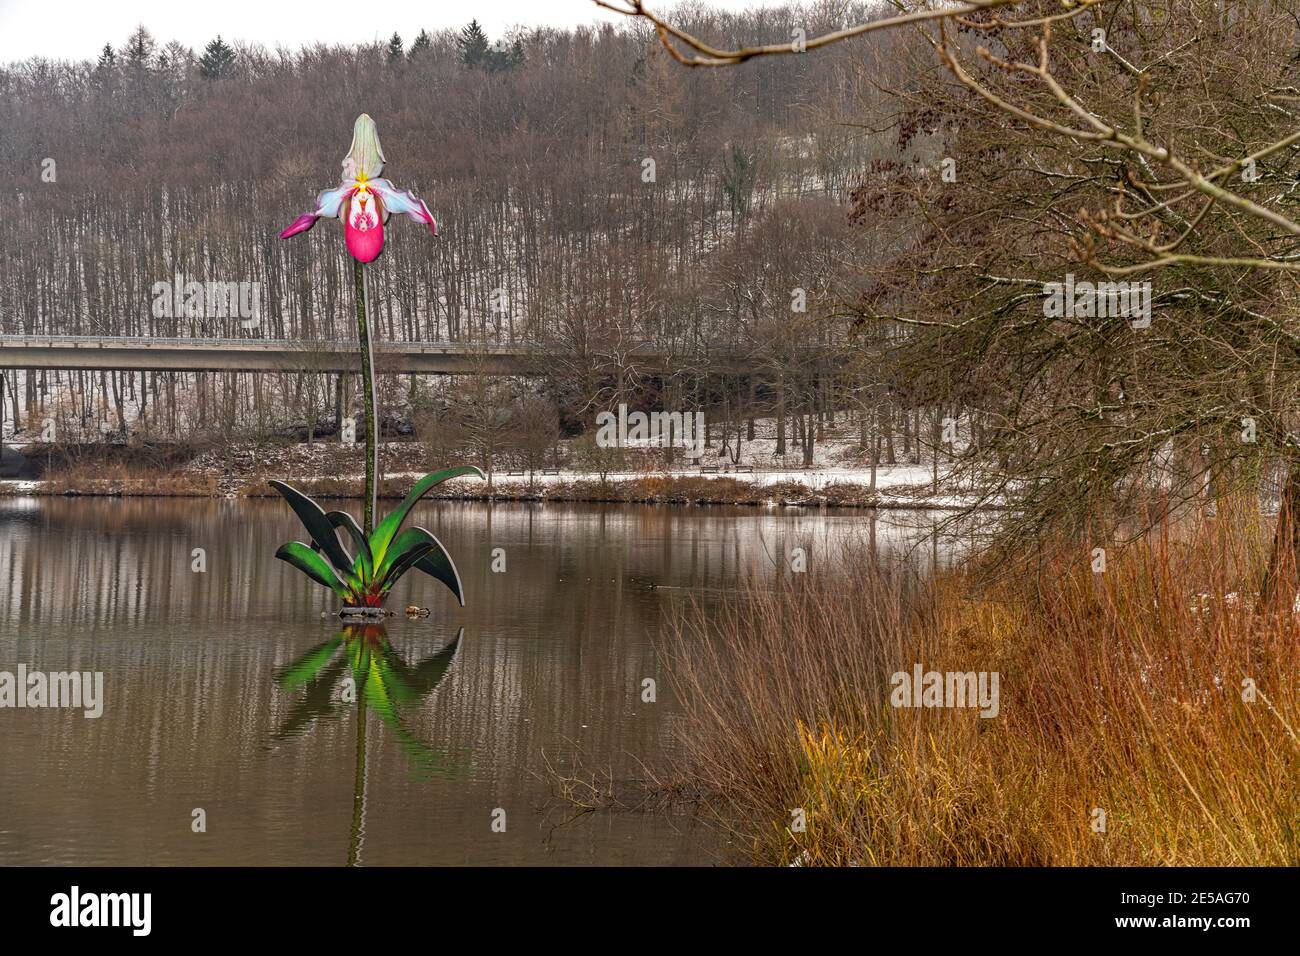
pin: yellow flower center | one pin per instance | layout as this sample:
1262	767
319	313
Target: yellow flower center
361	182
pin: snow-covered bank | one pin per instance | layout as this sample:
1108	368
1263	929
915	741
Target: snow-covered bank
739	472
835	488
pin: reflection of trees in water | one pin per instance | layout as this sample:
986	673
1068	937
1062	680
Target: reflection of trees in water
118	561
561	643
132	560
562	639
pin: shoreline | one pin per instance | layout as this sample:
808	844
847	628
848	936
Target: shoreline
666	489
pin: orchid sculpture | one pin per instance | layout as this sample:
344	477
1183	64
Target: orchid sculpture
382	556
365	201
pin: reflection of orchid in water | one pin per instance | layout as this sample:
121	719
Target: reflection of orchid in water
359	666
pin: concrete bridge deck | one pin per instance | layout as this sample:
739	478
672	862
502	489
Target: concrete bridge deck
95	352
271	355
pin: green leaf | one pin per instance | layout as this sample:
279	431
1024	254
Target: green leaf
387	529
307	666
366	560
317	524
410	685
394	684
403	543
311	564
377	693
438	564
319	699
432	554
377	696
409	548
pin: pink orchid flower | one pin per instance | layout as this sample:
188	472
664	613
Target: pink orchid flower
364	200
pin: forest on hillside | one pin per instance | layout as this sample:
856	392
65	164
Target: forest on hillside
872	227
590	193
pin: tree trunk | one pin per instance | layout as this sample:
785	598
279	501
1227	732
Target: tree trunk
809	438
780	416
1286	538
749	429
936	438
887	422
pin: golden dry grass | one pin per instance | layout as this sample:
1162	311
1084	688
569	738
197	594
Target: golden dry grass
112	478
1124	692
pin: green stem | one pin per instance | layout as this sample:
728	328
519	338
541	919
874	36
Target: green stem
359	777
368	398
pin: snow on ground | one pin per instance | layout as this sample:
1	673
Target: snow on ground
904	486
912	479
838	459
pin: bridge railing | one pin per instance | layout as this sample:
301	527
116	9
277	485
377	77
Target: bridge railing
299	345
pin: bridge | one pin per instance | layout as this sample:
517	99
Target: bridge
138	352
273	355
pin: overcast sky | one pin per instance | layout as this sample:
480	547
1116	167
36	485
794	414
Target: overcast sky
78	29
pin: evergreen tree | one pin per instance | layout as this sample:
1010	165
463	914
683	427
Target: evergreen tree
504	57
394	48
473	45
106	69
421	45
139	63
217	61
139	49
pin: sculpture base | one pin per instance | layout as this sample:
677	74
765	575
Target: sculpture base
364	613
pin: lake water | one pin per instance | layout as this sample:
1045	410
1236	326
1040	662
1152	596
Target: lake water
226	692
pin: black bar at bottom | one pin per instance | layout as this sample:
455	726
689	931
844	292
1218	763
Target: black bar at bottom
654	906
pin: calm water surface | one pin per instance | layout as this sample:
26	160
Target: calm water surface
225	690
